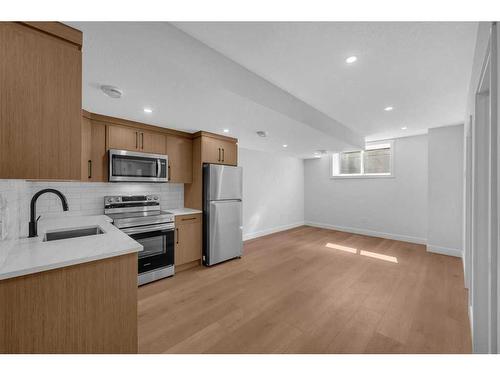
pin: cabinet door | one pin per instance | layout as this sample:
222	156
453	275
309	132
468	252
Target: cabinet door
123	138
99	156
154	143
229	153
188	239
40	105
180	159
211	150
86	149
94	156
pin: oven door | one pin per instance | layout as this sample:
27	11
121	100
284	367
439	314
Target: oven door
158	247
129	166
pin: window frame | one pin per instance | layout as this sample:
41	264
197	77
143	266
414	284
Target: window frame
335	162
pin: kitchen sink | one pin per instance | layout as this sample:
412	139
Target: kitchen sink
72	233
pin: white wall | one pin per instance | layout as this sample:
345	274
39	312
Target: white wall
273	192
385	207
445	203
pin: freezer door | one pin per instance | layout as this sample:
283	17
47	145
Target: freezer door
225	182
225	231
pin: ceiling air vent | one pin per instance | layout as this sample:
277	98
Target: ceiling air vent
112	91
262	133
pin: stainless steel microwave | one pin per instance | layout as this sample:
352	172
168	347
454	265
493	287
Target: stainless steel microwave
130	166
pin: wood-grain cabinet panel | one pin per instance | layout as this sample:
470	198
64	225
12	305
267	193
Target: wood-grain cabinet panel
86	308
180	159
40	104
188	239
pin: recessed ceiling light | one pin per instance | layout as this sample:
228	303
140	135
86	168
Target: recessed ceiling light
351	59
285	146
404	127
148	110
388	108
226	130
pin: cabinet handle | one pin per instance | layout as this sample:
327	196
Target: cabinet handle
223	155
89	168
218	158
136	140
177	232
142	141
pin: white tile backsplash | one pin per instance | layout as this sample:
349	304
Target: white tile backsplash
84	198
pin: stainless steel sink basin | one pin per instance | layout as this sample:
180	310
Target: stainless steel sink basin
72	233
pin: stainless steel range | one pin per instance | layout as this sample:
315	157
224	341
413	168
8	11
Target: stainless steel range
140	217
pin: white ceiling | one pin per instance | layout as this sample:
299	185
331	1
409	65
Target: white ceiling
309	98
422	69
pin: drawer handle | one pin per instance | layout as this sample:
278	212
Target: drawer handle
191	218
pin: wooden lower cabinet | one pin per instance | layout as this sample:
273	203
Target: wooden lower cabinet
188	239
86	308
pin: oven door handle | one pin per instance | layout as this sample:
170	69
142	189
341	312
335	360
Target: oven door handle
149	228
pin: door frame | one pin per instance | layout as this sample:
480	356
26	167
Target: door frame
481	243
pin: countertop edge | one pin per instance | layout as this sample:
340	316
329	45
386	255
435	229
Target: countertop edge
68	263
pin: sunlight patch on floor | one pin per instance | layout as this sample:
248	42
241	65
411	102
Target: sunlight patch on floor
343	248
352	250
387	258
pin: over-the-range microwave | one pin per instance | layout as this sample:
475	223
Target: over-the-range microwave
131	166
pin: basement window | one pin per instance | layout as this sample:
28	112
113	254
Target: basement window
376	160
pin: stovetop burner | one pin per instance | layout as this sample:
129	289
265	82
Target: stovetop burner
138	210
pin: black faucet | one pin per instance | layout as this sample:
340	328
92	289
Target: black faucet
33	222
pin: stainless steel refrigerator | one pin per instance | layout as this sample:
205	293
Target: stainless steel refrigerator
222	213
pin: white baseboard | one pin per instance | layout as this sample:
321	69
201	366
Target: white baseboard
367	232
444	250
265	232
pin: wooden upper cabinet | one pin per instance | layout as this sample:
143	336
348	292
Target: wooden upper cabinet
211	150
134	139
219	151
123	138
94	155
40	103
180	159
154	143
229	153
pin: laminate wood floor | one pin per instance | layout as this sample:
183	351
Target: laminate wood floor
311	290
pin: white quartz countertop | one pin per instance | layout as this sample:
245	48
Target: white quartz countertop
184	211
30	255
